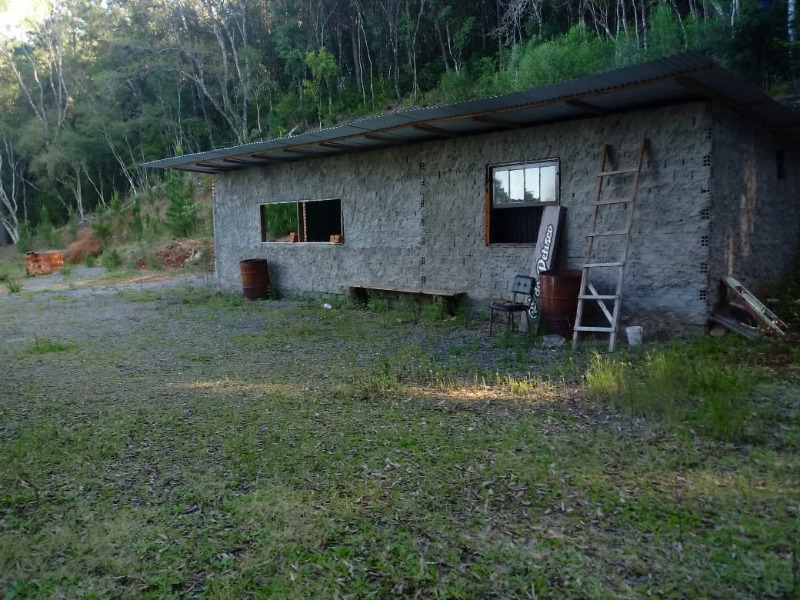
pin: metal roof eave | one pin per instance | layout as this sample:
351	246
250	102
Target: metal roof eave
681	78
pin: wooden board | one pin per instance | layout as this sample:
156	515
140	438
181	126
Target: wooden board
401	290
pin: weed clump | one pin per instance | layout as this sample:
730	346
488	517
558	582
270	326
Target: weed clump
43	346
14	287
681	387
111	259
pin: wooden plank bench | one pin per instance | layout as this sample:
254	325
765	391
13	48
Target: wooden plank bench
362	293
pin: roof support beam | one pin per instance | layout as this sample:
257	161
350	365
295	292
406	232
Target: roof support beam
502	124
586	107
197	169
241	161
385	138
335	146
265	159
436	130
215	166
301	151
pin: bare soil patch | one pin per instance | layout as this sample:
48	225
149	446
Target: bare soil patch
176	254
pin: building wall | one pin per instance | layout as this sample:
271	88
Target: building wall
755	212
414	215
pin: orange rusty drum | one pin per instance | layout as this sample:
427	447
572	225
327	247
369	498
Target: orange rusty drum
44	263
255	278
559	299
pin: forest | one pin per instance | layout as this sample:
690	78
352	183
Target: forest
90	89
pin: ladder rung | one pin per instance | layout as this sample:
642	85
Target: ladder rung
597	297
614	201
606	264
617	172
604	329
605	233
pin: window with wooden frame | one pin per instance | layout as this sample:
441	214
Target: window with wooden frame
307	221
515	196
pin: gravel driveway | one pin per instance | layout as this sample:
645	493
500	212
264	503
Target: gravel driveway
183	325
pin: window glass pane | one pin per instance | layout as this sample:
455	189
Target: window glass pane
548	184
531	184
517	178
501	189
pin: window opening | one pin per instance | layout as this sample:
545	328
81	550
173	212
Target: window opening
517	194
307	221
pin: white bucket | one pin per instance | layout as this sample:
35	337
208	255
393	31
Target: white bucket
634	335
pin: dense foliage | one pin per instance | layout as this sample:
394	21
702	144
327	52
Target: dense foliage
92	88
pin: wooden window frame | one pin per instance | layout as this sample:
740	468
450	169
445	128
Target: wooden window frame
528	211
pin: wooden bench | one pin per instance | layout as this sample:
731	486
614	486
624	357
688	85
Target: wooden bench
362	293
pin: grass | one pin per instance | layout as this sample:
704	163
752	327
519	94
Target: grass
223	448
44	346
12	263
681	386
13	286
11	270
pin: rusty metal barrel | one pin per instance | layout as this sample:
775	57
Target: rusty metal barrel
255	278
558	296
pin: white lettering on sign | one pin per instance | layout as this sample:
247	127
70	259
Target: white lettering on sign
541	264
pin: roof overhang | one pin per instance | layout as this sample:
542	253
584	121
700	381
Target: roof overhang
687	77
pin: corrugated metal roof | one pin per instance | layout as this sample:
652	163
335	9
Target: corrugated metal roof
671	80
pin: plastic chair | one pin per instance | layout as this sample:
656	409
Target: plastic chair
523	285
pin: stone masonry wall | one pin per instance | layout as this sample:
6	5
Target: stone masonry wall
413	216
755	213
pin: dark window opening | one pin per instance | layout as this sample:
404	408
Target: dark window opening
780	164
310	221
517	194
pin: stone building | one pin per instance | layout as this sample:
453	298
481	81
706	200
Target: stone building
450	197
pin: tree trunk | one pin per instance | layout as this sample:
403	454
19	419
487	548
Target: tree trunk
355	44
441	44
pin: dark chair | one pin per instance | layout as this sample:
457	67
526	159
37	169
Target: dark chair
523	285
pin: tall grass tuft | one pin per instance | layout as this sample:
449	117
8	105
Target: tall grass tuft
680	387
13	286
606	379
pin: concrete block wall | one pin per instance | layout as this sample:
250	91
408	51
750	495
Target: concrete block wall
413	216
755	214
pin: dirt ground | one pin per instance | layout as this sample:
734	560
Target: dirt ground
98	277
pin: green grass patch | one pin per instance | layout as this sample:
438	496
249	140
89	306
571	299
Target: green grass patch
223	448
683	386
45	346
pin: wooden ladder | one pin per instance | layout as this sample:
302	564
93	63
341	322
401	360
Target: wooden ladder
616	265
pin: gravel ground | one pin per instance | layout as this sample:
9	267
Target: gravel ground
182	325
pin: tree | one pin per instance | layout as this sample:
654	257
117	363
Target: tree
10	189
323	67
